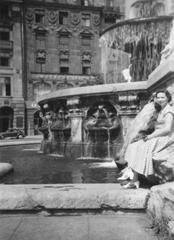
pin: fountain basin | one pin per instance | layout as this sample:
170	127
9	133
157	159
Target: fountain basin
90	121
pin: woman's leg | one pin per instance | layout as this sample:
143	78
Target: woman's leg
135	176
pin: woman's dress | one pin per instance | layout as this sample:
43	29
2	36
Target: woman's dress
140	154
141	123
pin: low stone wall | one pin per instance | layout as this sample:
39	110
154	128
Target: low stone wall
160	208
71	196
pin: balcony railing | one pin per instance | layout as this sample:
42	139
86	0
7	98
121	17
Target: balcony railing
6	45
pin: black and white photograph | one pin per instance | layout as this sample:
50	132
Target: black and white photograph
86	119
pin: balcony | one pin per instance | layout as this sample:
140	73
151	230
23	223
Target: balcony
6	45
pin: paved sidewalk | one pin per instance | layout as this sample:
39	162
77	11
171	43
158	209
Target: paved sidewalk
21	141
116	226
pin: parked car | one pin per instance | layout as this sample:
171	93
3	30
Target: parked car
12	132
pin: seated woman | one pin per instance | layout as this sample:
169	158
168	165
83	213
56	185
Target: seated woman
140	154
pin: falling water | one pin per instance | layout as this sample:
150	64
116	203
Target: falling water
136	42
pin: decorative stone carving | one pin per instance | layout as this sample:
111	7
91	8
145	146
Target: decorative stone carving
52	16
73	101
40	56
86	32
63	85
42	82
63	31
86	56
30	15
63	81
64	54
75	18
40	29
96	20
128	102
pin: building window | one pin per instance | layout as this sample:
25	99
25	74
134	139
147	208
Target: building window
110	3
5	86
64	70
4	36
19	122
110	20
39	18
40	67
86	70
86	40
85	2
4	61
86	20
64	40
40	41
4	11
63	17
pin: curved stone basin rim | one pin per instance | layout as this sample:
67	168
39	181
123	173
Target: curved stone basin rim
136	21
93	90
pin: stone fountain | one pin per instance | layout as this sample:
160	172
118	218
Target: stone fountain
91	122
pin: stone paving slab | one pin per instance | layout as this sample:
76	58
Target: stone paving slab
125	226
71	196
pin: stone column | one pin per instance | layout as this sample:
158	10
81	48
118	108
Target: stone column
76	118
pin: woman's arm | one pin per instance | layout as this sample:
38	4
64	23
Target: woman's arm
165	130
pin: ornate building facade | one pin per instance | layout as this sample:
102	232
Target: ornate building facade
62	46
11	77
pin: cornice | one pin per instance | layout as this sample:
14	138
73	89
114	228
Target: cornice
62	6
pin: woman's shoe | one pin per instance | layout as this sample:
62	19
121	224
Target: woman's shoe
127	174
122	178
132	185
124	170
122	183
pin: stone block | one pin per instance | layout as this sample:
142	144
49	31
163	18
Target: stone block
71	196
171	228
161	205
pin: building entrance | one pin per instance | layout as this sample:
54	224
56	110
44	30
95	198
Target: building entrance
6	118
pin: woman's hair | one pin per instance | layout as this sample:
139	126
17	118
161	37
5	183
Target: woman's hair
166	92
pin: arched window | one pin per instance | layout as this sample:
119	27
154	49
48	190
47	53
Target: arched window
5	86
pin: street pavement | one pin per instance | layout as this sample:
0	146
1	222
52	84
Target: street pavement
116	226
25	140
